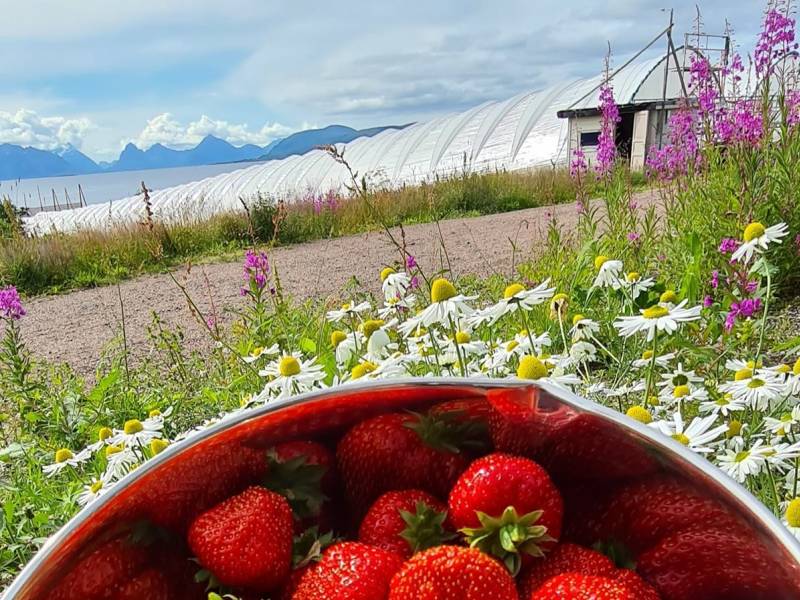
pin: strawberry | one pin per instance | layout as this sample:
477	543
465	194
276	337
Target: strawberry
508	507
349	571
246	541
574	586
398	451
635	584
405	522
522	419
452	573
564	558
303	472
151	584
473	415
100	574
715	563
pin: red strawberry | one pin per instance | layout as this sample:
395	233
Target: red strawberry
303	472
641	514
349	571
508	507
151	584
473	415
452	573
574	586
101	573
398	451
640	589
405	522
246	541
522	419
564	558
715	564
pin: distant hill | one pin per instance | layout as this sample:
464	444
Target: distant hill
17	162
305	141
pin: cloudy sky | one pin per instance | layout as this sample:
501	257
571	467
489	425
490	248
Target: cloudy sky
100	73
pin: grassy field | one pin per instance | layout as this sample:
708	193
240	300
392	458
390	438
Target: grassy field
684	319
56	263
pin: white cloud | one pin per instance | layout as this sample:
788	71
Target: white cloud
165	129
27	128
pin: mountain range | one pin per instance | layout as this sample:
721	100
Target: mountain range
18	162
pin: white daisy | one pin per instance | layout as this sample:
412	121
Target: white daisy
787	423
782	455
291	375
447	308
348	346
65	458
657	318
120	460
741	463
608	272
96	488
757	239
516	297
348	310
398	308
684	394
583	328
756	390
394	284
662	360
635	284
581	352
697	436
677	377
260	351
725	405
136	433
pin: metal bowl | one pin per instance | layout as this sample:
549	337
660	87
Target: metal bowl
746	553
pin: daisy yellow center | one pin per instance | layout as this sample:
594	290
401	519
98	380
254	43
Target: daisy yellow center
462	337
753	231
783	369
655	312
743	374
257	351
511	345
755	383
513	290
751	364
371	326
600	261
362	369
640	413
154	413
386	272
793	513
577	319
157	445
734	429
632	277
442	290
796	367
104	434
337	337
653	401
96	487
289	366
679	437
110	450
668	296
132	426
741	456
346	306
531	367
786	417
680	391
63	455
647	355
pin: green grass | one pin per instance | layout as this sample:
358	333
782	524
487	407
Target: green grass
61	262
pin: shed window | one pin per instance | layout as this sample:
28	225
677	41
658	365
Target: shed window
589	138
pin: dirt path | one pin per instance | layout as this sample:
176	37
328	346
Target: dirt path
74	328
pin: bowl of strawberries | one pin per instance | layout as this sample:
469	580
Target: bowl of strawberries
426	489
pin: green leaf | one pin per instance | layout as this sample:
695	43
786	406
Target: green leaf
308	346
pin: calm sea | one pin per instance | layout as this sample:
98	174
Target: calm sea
101	187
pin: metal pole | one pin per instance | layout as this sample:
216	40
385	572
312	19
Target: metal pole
662	116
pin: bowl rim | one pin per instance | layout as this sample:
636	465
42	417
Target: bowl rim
738	492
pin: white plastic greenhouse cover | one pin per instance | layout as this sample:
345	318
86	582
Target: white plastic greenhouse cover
518	133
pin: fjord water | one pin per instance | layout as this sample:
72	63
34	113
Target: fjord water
102	187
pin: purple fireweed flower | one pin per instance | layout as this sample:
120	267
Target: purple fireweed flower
708	302
414	282
10	304
702	85
255	270
578	167
793	108
634	237
606	145
777	38
750	286
714	279
744	309
728	245
211	322
681	152
411	262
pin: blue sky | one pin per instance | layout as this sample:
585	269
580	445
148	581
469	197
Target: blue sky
99	74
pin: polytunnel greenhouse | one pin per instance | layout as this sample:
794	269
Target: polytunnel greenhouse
532	129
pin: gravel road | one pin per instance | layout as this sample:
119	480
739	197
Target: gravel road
76	327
